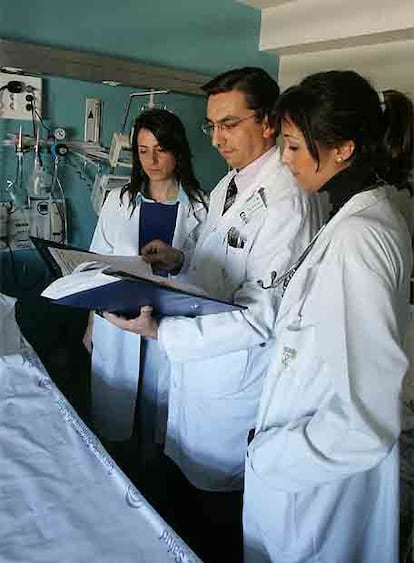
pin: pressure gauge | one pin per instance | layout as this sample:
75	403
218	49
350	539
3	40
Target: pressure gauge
59	133
61	149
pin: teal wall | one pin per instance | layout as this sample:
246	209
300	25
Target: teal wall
200	35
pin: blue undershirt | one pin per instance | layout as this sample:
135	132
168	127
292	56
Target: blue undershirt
156	221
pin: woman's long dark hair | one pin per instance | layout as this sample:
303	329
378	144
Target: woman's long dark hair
170	134
332	107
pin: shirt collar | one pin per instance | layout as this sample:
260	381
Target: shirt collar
247	175
182	197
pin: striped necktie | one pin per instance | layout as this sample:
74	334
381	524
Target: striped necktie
230	195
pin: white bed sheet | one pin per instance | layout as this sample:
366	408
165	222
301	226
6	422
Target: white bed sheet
62	498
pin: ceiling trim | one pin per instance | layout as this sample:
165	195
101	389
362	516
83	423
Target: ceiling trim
45	60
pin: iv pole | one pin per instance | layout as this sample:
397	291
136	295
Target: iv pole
151	104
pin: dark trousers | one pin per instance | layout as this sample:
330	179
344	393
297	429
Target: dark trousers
209	522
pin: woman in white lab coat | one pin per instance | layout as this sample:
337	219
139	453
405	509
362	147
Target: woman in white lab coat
322	471
162	201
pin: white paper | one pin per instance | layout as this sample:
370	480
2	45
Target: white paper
68	260
78	282
95	273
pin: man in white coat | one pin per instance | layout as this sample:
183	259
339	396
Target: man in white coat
258	223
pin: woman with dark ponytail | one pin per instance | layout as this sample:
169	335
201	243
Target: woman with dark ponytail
162	202
322	470
398	138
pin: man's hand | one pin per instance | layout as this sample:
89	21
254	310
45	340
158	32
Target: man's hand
161	256
144	324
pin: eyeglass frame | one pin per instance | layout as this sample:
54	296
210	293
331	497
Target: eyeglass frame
208	127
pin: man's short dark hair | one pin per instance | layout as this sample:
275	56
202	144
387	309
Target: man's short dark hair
260	89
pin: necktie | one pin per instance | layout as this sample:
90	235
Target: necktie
230	195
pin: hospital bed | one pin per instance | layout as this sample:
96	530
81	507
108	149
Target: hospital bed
62	497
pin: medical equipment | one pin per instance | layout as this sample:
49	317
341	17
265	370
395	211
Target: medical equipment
16	189
48	213
102	186
20	96
4	213
92	129
121	141
44	217
151	103
36	204
40	180
285	278
18	228
46	198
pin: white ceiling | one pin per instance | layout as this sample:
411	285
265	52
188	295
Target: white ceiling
374	37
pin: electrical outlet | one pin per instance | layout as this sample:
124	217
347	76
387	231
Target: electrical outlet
15	93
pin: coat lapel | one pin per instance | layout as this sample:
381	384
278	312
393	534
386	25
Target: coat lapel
297	288
128	231
187	221
232	217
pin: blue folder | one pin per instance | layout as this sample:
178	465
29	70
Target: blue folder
125	297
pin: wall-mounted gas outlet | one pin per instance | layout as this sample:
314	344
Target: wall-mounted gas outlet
92	130
17	94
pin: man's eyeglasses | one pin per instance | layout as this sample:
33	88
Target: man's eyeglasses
226	125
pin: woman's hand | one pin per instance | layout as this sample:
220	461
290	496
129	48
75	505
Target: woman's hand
161	256
87	337
144	324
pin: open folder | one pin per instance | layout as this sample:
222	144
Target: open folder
119	284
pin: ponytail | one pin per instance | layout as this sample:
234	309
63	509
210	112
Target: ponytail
398	139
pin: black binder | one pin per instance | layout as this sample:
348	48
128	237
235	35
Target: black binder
126	296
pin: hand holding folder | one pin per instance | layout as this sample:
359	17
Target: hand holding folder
120	284
143	324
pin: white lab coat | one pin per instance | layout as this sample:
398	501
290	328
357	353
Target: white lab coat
116	353
321	482
218	361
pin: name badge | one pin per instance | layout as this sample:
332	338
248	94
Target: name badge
254	204
288	355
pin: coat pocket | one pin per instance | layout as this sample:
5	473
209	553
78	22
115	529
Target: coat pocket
218	376
234	271
274	518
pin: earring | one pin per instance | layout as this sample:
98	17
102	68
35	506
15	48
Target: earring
339	159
